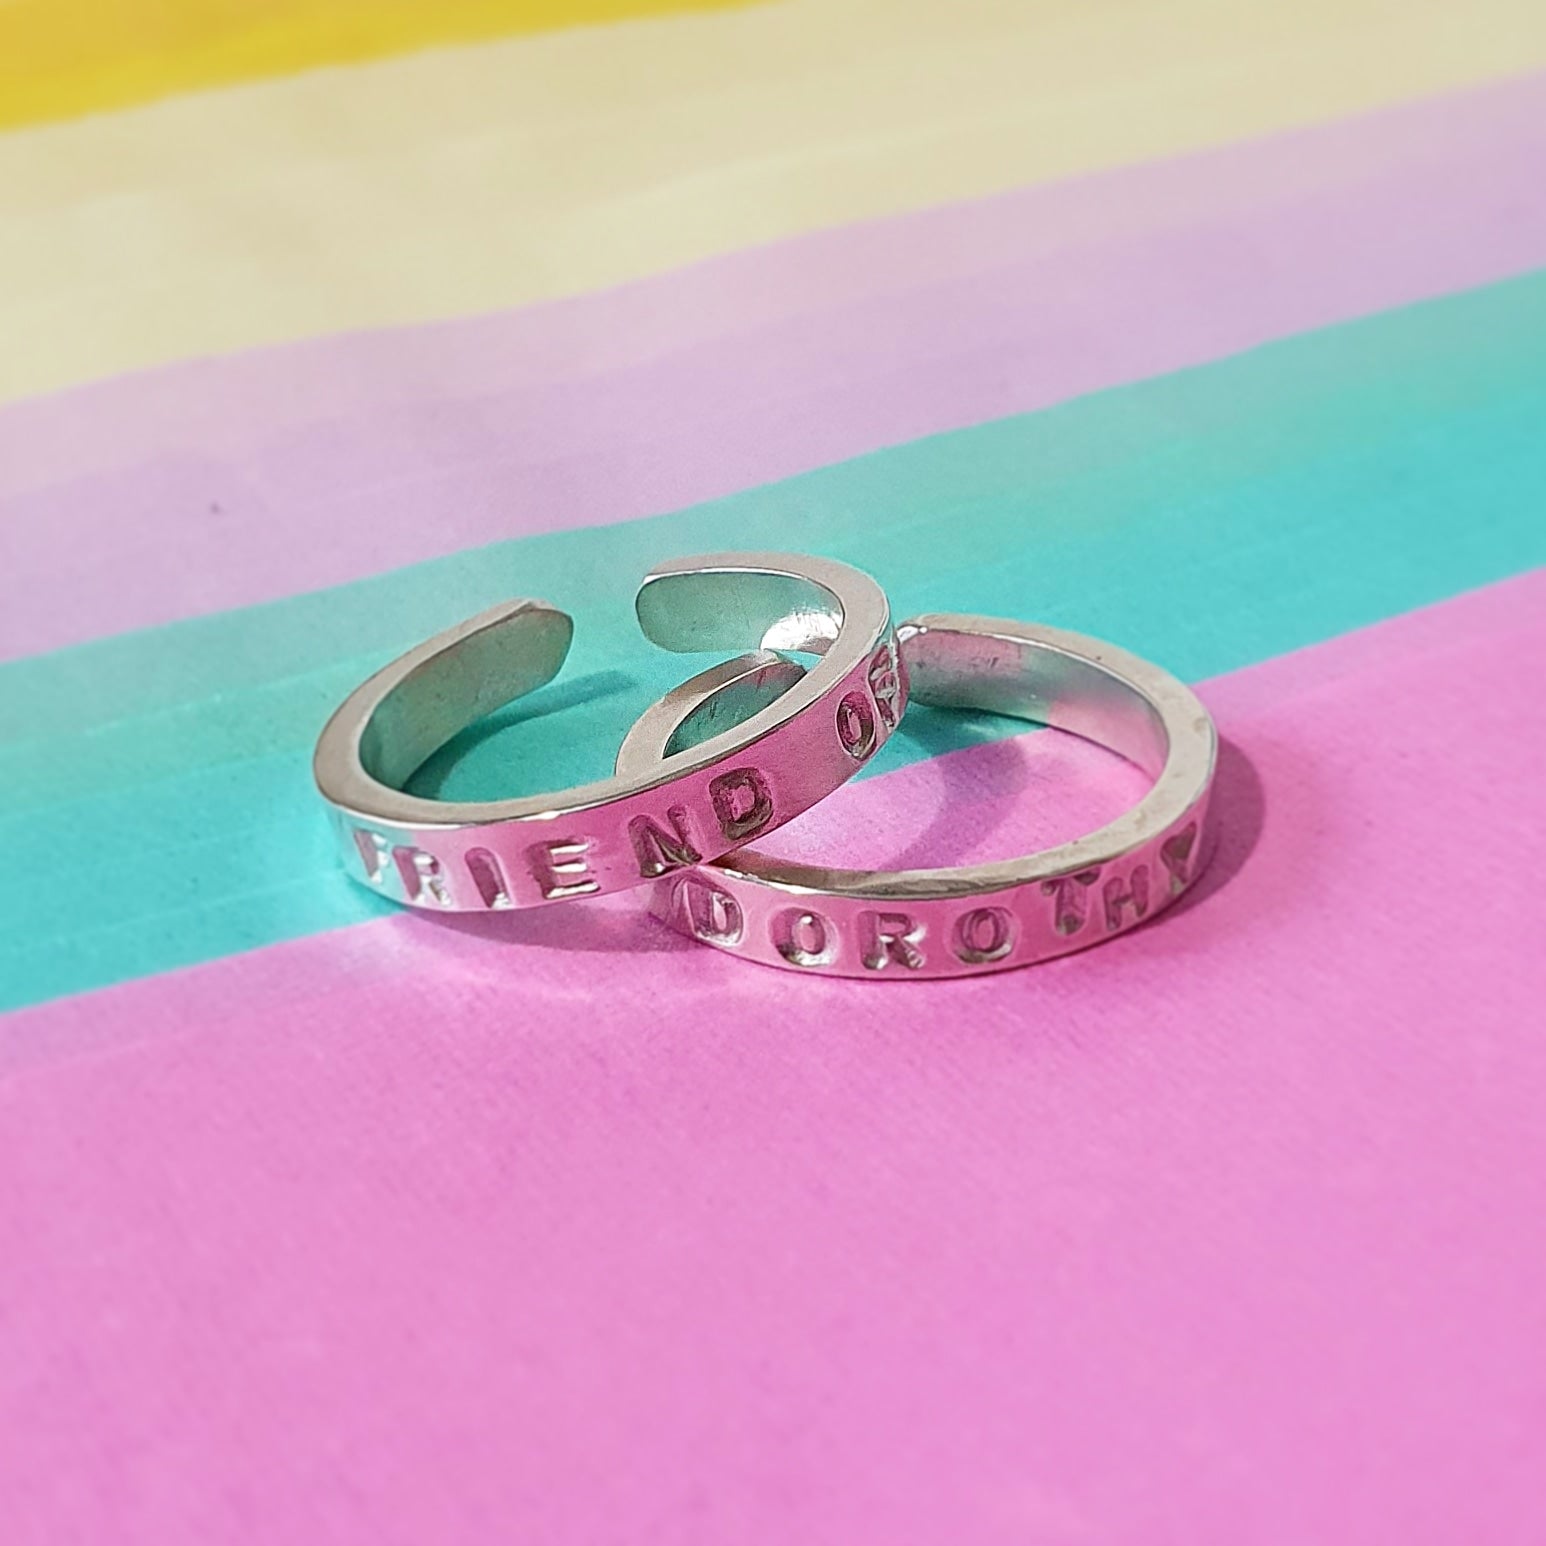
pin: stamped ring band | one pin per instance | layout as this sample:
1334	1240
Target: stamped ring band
740	779
959	921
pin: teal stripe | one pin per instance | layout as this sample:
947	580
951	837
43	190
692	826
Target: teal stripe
158	801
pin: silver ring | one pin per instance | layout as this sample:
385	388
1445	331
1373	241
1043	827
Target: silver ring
973	918
732	785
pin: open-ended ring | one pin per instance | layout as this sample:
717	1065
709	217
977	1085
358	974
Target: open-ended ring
733	785
959	921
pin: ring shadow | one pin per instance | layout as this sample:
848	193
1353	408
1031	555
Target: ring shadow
1237	815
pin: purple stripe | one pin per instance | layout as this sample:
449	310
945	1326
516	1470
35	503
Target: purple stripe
222	483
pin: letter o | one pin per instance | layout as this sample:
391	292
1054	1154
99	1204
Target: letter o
984	934
856	726
804	938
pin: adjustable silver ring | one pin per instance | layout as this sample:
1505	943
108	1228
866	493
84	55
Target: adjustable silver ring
967	919
734	784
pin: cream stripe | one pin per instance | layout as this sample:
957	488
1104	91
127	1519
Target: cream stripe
473	179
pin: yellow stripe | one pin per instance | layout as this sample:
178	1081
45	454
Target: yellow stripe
62	58
459	181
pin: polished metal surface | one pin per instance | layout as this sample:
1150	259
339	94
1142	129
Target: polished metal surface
745	775
966	919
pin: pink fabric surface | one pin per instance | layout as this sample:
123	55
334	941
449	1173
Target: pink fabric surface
1232	1232
222	483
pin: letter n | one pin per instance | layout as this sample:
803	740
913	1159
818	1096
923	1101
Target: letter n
659	850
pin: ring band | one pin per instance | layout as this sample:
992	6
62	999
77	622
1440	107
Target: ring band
685	808
985	917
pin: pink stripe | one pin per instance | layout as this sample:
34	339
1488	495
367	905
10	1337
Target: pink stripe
1230	1228
227	482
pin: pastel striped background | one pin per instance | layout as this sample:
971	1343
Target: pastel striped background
1216	329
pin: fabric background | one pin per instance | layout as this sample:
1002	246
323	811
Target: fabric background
1217	330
